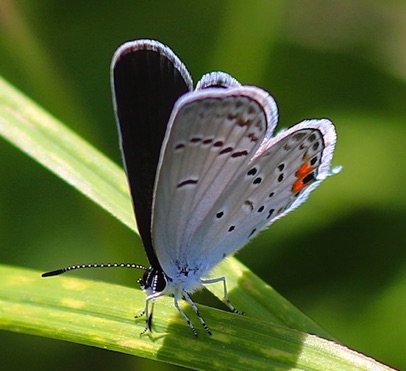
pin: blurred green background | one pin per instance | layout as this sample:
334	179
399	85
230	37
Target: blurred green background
340	257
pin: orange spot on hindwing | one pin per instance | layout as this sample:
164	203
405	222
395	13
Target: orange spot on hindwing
304	176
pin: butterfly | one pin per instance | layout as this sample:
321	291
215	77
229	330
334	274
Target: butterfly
205	170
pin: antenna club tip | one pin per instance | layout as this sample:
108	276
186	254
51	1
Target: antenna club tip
52	273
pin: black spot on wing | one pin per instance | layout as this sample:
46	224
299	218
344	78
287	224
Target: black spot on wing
253	137
312	138
308	178
252	171
225	150
179	146
270	213
195	140
187	182
239	154
249	204
298	136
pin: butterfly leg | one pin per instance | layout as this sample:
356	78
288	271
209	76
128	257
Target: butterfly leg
225	298
186	318
140	315
148	316
196	310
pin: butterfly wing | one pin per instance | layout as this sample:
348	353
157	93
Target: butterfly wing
212	135
147	79
278	179
217	80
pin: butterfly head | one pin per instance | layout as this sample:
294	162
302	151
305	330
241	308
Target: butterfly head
153	282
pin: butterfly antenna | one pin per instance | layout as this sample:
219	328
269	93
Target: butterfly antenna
82	266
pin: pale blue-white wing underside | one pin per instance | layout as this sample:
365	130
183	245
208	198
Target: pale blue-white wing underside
212	136
267	189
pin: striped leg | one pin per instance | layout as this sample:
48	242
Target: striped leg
225	298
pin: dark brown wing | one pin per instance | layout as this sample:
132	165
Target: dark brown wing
147	79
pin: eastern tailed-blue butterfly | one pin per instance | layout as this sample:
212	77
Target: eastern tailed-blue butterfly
206	173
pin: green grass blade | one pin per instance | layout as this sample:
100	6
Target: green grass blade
102	315
259	300
61	151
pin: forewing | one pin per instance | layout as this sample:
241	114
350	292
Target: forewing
212	136
147	79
